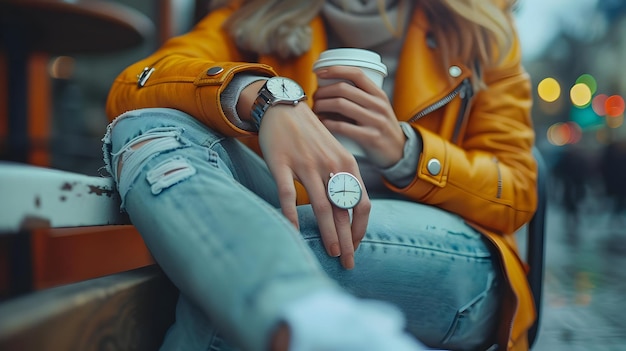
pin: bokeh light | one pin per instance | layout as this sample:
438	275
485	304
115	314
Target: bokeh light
580	94
588	80
588	111
62	67
560	133
602	136
549	89
615	121
585	117
614	106
598	104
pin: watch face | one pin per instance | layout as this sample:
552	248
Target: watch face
344	190
285	89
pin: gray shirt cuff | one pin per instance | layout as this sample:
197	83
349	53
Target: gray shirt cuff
230	96
403	172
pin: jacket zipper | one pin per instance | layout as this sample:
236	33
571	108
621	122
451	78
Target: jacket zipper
464	90
499	191
147	71
142	77
465	93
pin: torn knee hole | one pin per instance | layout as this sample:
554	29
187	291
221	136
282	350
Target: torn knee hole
127	153
168	173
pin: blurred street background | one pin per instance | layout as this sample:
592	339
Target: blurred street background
575	52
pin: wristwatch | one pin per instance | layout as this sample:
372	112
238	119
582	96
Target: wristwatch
276	90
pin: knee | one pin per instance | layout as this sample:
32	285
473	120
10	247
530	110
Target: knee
146	145
168	172
132	157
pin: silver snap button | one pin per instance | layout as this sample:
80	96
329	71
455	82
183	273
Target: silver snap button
455	71
214	71
433	166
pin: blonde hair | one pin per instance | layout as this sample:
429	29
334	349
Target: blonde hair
278	27
478	32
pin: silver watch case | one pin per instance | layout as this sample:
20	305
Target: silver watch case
267	98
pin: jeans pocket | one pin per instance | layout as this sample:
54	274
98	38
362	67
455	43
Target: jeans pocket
474	323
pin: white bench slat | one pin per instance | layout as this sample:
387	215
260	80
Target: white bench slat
37	197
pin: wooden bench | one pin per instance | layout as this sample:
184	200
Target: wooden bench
128	310
124	311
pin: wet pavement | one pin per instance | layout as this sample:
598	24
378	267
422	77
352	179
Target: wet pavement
584	305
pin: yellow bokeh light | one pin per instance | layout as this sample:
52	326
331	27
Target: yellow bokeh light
615	122
589	81
549	89
580	95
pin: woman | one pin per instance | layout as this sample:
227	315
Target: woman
448	178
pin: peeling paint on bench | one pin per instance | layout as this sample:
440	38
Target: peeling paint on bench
36	197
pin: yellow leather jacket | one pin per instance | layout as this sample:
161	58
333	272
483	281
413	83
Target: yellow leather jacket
481	141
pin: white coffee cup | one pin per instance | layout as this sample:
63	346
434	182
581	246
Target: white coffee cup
371	64
369	61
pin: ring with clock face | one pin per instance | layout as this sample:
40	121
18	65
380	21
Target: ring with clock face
344	190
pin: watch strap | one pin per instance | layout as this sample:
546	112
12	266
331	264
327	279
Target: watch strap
262	102
230	98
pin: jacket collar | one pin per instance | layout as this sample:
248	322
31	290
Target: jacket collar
424	79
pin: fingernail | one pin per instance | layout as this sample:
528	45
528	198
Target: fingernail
348	261
334	250
321	72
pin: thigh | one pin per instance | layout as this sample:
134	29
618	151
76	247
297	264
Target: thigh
441	272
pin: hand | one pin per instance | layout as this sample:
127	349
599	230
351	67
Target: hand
296	145
368	116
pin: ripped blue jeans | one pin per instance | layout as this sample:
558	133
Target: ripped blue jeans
207	208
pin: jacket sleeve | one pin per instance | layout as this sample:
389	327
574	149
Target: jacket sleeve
489	178
187	73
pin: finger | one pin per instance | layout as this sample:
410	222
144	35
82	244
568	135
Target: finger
354	75
343	91
355	131
344	235
323	210
352	104
287	195
360	218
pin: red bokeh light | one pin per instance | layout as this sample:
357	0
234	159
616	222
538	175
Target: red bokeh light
614	106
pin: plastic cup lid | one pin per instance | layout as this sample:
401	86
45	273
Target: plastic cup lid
351	57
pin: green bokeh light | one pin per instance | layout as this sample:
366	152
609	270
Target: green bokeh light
589	81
